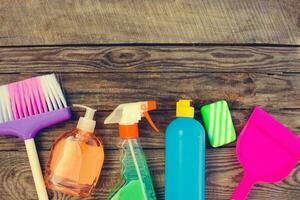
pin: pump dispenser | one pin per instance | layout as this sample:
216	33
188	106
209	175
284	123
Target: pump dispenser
135	182
86	123
76	158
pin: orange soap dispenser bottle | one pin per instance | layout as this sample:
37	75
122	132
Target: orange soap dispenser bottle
76	159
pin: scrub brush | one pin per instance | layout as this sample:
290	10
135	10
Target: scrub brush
28	106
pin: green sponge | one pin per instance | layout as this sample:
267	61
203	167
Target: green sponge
218	123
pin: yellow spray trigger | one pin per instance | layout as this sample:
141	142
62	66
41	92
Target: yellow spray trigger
147	116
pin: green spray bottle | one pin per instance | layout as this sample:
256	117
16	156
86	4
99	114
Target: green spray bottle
135	182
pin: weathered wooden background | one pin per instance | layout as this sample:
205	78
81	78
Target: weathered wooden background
111	52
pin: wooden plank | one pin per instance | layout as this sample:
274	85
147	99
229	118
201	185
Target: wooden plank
150	59
105	91
222	174
133	21
103	77
149	140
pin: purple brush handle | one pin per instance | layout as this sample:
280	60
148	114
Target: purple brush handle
29	127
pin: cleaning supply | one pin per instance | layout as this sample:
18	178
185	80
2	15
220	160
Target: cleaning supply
76	158
218	123
135	182
185	156
267	150
27	107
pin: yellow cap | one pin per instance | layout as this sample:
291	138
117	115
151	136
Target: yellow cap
184	108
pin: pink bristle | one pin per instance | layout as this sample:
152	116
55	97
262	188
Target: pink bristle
18	101
42	96
33	100
12	88
22	99
35	86
28	96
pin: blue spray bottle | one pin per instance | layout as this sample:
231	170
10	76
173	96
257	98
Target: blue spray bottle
185	156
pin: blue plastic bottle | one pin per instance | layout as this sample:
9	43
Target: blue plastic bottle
185	156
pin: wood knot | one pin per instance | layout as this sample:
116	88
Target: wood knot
126	56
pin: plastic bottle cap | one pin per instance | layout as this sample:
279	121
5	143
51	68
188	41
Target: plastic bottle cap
184	108
86	123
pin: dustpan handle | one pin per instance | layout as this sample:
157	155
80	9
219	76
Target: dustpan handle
242	190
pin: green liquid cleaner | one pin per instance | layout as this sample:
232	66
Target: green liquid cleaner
135	182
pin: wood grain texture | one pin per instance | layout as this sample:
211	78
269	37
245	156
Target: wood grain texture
149	140
105	91
103	77
150	59
222	175
132	21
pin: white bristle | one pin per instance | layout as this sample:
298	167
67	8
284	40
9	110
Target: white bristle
5	106
46	88
53	93
48	92
58	91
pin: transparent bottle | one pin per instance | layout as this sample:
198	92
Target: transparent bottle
135	182
76	159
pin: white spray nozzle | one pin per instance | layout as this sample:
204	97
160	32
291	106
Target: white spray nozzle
131	113
86	123
126	114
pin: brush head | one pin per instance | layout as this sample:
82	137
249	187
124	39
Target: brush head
28	106
30	97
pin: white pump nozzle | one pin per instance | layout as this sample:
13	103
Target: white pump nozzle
86	123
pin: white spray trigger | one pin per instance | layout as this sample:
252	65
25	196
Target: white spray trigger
127	113
86	123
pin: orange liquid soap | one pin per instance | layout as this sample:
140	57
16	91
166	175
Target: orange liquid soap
76	159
